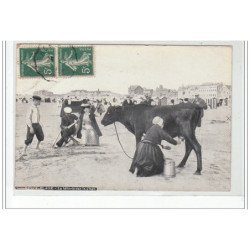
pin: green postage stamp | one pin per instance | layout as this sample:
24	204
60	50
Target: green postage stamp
35	62
56	61
75	60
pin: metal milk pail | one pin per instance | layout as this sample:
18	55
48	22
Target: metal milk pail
169	168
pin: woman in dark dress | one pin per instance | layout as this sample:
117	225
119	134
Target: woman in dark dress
148	158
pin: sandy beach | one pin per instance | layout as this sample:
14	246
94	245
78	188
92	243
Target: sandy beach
106	167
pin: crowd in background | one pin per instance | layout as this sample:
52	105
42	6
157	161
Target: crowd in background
102	103
78	115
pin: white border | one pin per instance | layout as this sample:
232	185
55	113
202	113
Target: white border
132	199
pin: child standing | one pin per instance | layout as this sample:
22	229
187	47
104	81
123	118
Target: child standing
33	118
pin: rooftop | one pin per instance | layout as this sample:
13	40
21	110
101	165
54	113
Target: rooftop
133	87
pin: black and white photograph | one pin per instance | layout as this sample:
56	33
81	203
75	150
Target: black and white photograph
123	117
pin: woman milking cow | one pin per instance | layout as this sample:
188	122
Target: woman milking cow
179	121
148	158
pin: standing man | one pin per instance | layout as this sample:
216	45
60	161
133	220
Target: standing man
33	124
202	104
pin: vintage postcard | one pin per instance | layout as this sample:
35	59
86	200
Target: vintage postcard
124	117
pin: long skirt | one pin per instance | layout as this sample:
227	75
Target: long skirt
90	137
148	160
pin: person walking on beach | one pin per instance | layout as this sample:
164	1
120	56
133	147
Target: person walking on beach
100	108
33	118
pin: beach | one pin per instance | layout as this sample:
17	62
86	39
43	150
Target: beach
106	167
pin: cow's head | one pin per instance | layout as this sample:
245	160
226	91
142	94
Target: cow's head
112	115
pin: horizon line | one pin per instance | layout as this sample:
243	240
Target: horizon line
181	86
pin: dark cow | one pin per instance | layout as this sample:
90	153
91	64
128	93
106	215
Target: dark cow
179	120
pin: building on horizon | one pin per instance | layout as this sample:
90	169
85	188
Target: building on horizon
210	92
91	94
160	94
43	93
165	92
148	91
139	90
135	90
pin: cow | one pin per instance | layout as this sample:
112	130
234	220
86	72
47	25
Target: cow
179	120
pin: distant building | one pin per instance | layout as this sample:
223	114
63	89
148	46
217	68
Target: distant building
225	92
77	92
207	91
169	93
139	90
92	95
135	90
148	91
98	92
43	93
83	92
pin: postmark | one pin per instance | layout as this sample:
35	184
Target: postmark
37	62
75	61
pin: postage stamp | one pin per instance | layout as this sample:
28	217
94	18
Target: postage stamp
75	60
37	62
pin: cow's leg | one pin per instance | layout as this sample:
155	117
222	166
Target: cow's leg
187	153
199	156
197	148
189	135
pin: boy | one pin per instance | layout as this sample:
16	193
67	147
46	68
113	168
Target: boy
33	124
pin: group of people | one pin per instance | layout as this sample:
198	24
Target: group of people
76	129
130	101
148	158
83	127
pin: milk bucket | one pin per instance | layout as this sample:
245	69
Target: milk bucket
169	168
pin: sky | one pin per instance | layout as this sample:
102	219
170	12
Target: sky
119	66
